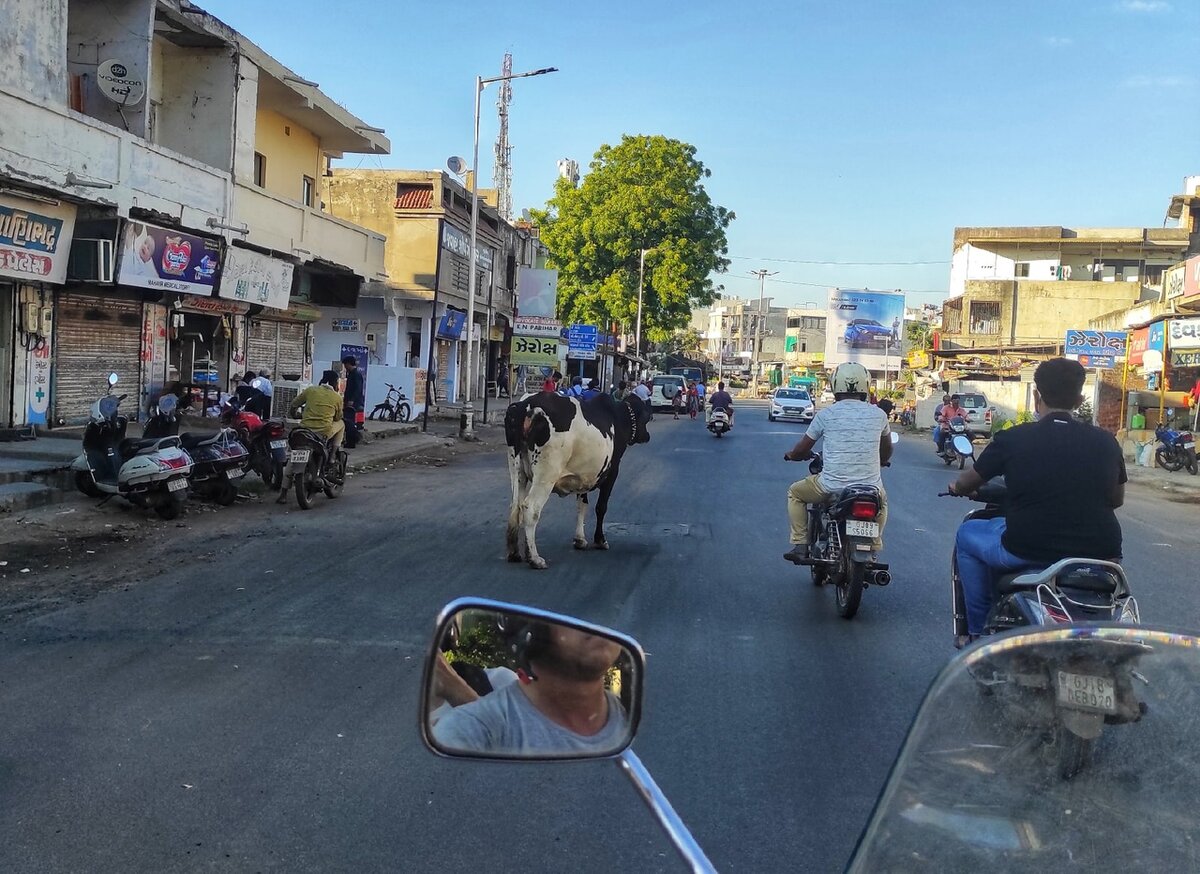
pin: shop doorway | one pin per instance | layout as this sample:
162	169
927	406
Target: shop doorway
198	358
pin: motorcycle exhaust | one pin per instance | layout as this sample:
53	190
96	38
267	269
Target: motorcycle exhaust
882	578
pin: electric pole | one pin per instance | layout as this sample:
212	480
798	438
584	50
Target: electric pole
762	282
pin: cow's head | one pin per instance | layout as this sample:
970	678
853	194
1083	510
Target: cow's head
639	417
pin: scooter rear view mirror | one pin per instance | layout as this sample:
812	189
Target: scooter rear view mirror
895	438
113	379
166	404
963	446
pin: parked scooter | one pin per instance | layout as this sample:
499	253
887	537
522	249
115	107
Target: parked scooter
218	460
310	468
718	421
841	533
265	440
151	472
1176	449
952	449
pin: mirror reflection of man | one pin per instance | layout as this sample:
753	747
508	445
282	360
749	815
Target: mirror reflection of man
559	707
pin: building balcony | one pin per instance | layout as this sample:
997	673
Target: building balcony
41	143
291	228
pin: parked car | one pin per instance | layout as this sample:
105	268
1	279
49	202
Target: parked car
791	403
866	332
663	389
979	414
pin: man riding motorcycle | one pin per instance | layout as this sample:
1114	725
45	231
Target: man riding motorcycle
322	405
721	400
857	443
949	411
1064	480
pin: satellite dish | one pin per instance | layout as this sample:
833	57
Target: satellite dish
456	165
525	215
119	83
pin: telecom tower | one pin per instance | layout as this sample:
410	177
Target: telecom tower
502	167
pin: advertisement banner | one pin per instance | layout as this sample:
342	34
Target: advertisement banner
1173	281
866	327
451	325
167	260
253	278
535	326
1191	276
37	384
1184	333
537	293
535	351
1185	359
35	239
1081	341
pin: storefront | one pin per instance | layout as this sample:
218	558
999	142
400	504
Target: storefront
35	243
206	349
96	333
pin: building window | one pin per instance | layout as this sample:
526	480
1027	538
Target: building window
260	170
794	322
414	196
985	317
1022	271
306	191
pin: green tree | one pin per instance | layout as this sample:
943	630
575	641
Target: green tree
647	192
920	336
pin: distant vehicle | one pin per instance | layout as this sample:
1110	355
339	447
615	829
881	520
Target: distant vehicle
688	373
663	389
979	414
866	332
827	397
791	403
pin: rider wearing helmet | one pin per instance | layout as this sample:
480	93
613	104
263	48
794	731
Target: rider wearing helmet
857	444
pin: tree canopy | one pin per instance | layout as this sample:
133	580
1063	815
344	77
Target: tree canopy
647	192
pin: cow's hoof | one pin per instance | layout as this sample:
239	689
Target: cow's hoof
538	564
601	544
581	544
514	557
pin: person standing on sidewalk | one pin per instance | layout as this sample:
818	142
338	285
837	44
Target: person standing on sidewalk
355	399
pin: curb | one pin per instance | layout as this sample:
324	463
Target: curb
394	454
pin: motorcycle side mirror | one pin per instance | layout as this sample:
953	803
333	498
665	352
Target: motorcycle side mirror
503	681
963	446
895	438
113	379
167	404
257	383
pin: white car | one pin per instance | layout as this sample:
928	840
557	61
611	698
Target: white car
663	390
791	403
827	398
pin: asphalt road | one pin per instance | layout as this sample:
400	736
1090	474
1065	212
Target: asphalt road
248	701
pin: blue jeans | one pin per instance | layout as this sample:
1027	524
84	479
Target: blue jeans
981	558
937	435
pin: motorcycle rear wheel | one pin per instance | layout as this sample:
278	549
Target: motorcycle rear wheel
1190	461
1073	752
226	494
333	489
1167	460
168	510
849	585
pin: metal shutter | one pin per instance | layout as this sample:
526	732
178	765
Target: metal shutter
94	336
277	346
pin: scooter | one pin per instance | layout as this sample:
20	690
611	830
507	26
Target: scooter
217	459
265	440
151	472
311	468
841	535
718	422
952	449
1176	449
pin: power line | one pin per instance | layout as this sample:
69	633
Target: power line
839	263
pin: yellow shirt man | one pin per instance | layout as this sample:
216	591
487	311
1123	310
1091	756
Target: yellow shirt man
322	412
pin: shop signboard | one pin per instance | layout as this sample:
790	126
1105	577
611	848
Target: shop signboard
1184	334
168	260
451	325
1191	277
535	326
35	239
254	278
1185	358
535	351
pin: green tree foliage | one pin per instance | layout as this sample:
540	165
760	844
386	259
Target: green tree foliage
920	336
647	192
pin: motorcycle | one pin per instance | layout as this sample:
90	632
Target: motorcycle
952	449
1177	449
151	472
968	790
841	533
311	469
718	422
217	459
265	440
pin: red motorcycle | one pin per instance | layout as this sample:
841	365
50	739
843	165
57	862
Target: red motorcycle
266	440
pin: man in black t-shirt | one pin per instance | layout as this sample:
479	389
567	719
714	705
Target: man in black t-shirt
1064	479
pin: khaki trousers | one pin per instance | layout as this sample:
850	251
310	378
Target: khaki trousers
810	491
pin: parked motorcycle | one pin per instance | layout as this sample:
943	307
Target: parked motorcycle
841	533
266	441
718	421
218	460
952	448
151	472
310	467
1176	449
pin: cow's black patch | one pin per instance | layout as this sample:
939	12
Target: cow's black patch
601	413
558	409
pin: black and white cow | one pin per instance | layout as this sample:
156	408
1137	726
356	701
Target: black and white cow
566	446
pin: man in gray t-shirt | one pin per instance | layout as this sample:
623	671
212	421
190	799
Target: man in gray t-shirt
561	706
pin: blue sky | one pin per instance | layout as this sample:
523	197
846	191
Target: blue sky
848	132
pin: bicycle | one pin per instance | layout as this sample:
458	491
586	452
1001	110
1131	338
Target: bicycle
394	408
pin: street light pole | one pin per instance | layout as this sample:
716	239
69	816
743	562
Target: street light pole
762	282
466	421
637	342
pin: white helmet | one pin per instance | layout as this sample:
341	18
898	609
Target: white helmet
850	378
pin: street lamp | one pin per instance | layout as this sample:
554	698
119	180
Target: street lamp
762	282
637	342
466	423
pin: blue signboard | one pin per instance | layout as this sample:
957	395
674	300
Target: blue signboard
451	326
583	337
1095	345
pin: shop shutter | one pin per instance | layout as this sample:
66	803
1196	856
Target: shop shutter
95	335
278	347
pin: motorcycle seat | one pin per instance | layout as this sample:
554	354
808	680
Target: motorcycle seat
131	446
1091	575
195	441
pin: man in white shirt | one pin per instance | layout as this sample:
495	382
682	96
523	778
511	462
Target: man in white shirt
857	443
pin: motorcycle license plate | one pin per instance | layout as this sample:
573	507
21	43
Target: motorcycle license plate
300	456
176	485
855	528
1189	445
1085	692
234	473
278	444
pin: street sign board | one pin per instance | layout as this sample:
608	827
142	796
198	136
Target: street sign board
582	354
1101	361
582	336
1095	344
527	326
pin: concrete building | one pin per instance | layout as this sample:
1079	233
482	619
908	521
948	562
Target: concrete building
426	216
730	336
804	349
159	215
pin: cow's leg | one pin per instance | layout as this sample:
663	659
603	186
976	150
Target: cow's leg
531	513
581	503
520	485
601	509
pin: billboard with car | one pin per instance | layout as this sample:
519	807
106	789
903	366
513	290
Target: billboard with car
865	326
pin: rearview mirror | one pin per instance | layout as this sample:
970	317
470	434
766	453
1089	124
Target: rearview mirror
963	446
503	681
895	438
113	379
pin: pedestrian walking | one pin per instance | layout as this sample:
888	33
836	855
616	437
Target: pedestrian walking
354	400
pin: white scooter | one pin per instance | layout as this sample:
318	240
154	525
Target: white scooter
718	422
151	473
